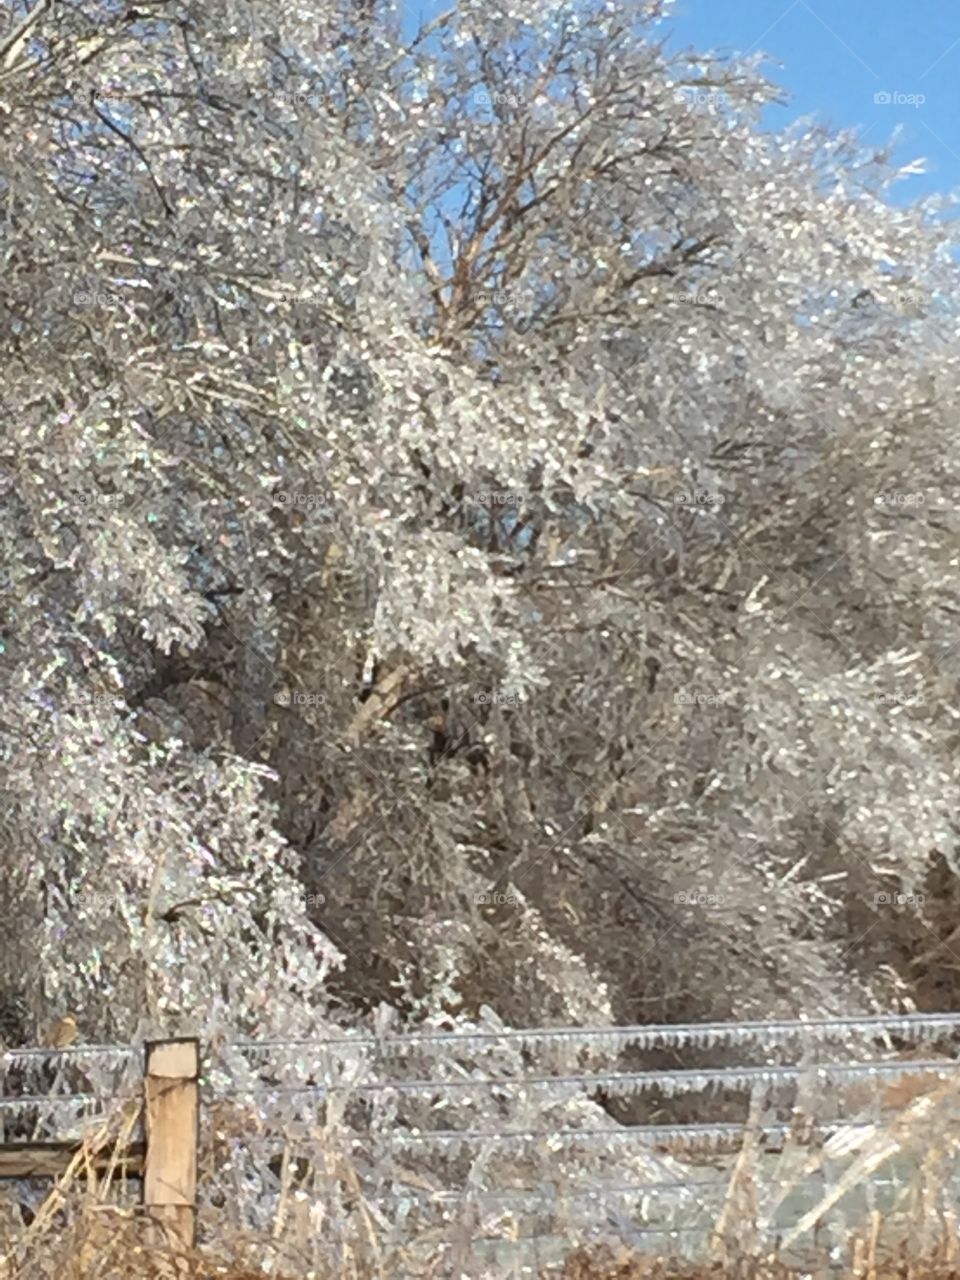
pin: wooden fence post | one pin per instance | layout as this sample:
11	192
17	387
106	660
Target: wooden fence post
171	1098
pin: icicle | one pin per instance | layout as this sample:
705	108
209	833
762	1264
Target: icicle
18	1105
576	1039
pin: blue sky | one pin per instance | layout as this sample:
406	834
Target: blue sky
838	54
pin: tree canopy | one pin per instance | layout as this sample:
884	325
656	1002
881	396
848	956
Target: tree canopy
479	528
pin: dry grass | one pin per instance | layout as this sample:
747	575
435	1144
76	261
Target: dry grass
102	1246
606	1265
81	1232
97	1250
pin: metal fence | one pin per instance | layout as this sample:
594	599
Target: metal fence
498	1150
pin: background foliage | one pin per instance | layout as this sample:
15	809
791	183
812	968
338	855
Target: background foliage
479	530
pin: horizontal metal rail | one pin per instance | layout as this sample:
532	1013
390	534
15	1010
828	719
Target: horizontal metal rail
679	1035
675	1082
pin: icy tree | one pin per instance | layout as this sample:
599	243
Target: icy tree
478	527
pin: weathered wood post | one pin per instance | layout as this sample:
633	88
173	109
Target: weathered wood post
171	1097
